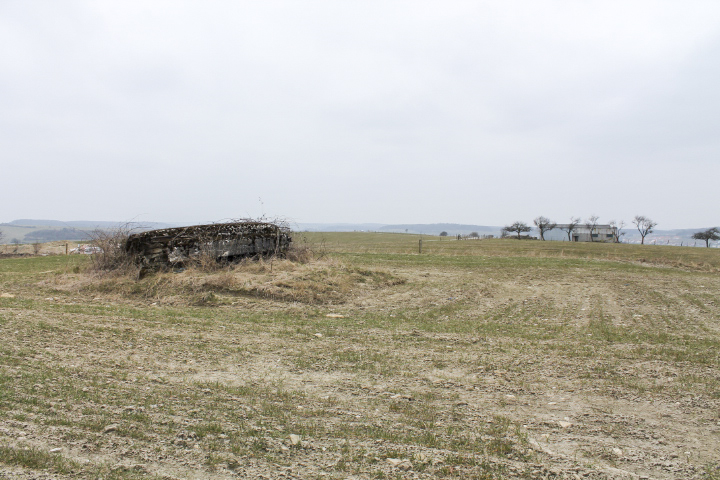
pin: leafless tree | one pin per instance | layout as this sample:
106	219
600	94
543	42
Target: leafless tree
707	235
570	227
544	225
591	224
644	225
518	228
2	235
617	230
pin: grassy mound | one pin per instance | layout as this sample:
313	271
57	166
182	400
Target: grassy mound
323	282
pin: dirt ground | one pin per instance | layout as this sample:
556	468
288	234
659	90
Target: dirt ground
382	368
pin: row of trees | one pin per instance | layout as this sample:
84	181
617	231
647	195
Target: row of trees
543	224
644	225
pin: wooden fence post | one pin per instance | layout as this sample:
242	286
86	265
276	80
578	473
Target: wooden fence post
420	246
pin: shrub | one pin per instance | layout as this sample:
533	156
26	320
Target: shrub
111	254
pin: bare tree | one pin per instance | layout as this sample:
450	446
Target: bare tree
707	235
644	225
544	225
591	224
2	235
617	230
518	228
570	227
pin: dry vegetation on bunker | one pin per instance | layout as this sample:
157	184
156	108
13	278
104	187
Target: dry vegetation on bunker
475	359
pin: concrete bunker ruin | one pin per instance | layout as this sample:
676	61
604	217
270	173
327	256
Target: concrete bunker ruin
222	241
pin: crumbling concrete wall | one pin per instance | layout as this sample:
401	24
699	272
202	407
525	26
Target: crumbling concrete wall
221	241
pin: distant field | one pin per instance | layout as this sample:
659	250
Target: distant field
475	359
432	246
29	234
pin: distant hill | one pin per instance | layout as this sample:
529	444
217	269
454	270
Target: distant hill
424	228
53	235
337	227
41	231
84	224
437	228
30	231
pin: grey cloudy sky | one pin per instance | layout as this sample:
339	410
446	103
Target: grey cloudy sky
360	111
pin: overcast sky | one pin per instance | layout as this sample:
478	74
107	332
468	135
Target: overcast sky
360	111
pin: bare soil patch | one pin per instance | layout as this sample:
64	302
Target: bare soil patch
368	366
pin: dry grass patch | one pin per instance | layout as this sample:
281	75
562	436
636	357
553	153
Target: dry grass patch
318	282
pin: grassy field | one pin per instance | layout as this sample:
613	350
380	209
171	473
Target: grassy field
474	359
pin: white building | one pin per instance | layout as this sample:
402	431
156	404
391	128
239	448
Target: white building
581	233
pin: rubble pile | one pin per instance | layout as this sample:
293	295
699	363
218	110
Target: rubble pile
221	241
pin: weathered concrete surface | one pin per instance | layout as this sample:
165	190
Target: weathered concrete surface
221	241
